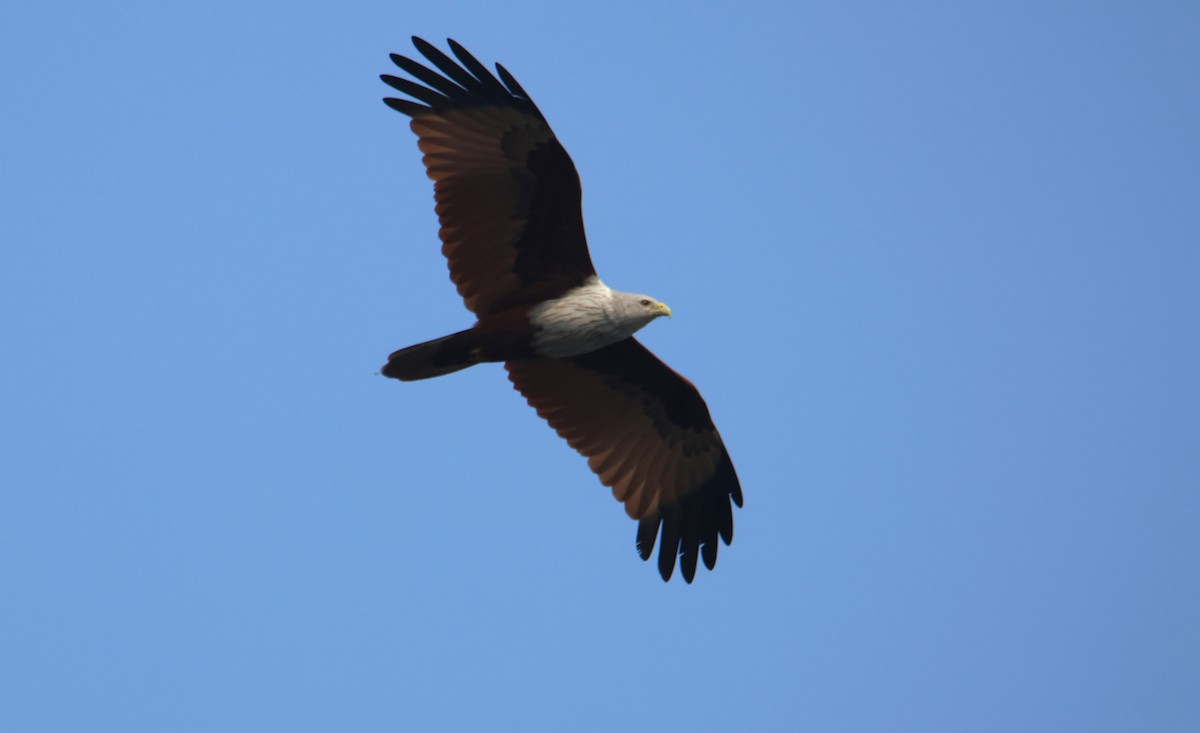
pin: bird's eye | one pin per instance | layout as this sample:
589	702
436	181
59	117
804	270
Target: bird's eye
645	302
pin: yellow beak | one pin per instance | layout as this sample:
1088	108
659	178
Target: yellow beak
664	309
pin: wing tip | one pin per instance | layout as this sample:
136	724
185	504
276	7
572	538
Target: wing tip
463	79
693	527
405	107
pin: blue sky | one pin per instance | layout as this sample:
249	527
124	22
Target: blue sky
934	268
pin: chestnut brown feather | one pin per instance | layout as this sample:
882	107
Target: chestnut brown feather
636	419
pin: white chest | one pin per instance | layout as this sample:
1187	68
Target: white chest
581	321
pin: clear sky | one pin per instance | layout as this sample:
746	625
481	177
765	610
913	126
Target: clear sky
934	267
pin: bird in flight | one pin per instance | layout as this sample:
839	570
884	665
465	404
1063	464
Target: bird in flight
508	200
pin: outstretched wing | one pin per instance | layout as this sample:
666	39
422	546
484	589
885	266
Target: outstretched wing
647	434
507	193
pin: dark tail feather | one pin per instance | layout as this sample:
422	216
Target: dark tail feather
432	358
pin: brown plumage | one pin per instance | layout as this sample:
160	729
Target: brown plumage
508	199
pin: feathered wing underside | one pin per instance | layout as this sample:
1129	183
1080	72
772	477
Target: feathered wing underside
507	193
646	432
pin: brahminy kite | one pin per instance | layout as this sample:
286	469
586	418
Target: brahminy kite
508	200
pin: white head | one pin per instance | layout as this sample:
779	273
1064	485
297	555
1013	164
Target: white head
637	310
590	317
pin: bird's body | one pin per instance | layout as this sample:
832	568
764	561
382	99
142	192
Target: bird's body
582	320
508	198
